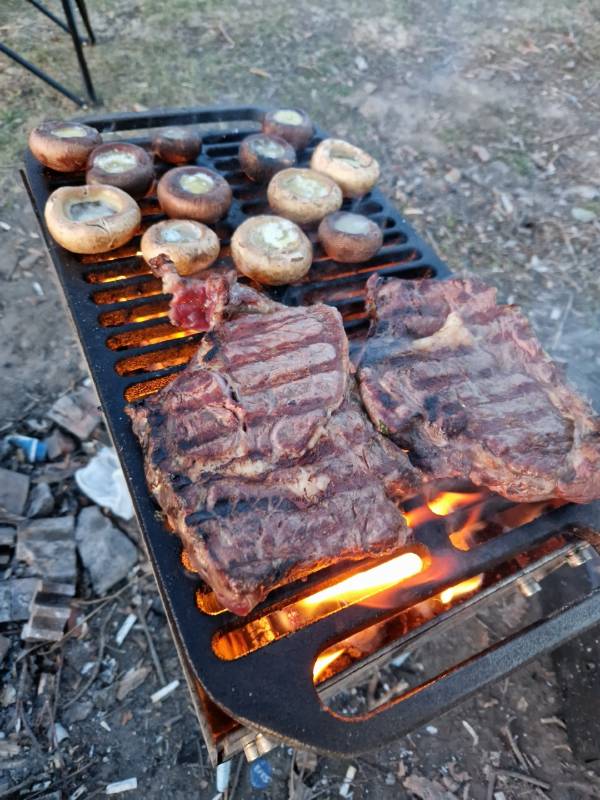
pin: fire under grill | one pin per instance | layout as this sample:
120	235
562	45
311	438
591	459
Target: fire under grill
276	675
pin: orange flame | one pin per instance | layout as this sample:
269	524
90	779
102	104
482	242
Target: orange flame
459	589
324	660
448	502
364	584
462	539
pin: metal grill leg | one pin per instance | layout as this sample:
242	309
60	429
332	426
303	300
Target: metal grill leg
86	20
39	73
85	74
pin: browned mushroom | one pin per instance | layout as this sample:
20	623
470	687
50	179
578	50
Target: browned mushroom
271	250
303	195
355	171
63	146
126	166
190	245
194	193
291	124
177	145
91	219
261	156
350	237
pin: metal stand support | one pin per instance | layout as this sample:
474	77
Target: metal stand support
70	26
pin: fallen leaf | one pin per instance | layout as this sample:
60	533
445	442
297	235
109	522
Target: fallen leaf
425	789
481	152
262	73
452	176
127	717
131	680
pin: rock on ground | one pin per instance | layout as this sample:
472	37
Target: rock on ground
105	551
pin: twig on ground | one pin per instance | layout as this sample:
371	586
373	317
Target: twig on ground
489	795
97	665
518	776
507	733
236	778
225	35
141	614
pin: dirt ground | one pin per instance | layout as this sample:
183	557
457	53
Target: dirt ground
484	116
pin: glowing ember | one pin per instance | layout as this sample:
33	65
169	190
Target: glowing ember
448	502
460	589
324	660
364	584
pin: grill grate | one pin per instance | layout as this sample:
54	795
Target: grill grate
132	351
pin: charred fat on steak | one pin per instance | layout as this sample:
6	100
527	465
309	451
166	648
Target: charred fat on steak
464	385
260	430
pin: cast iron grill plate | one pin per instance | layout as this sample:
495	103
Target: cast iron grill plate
272	689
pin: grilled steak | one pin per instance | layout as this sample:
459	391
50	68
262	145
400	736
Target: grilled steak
464	385
259	433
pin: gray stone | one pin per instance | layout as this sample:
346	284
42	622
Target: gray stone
583	214
48	546
58	444
4	647
15	598
40	502
77	412
14	487
106	552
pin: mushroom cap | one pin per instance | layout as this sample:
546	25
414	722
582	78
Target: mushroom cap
126	166
194	193
91	219
291	124
355	171
271	250
261	156
303	195
177	145
350	237
63	146
190	245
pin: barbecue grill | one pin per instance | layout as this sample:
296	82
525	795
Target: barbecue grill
269	678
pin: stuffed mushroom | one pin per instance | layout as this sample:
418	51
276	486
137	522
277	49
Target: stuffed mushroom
194	193
262	156
291	124
303	195
177	145
350	237
91	219
126	166
63	146
355	171
271	250
189	245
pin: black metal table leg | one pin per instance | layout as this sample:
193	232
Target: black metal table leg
89	86
41	74
86	20
46	11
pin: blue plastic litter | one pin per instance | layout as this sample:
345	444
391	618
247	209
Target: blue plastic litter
260	773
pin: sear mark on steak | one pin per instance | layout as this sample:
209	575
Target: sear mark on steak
464	385
261	461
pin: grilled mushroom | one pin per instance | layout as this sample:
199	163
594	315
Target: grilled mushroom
191	246
91	219
291	124
271	250
261	156
194	193
126	166
177	145
355	171
350	237
303	195
63	146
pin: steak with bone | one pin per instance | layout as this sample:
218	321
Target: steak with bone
463	384
262	459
